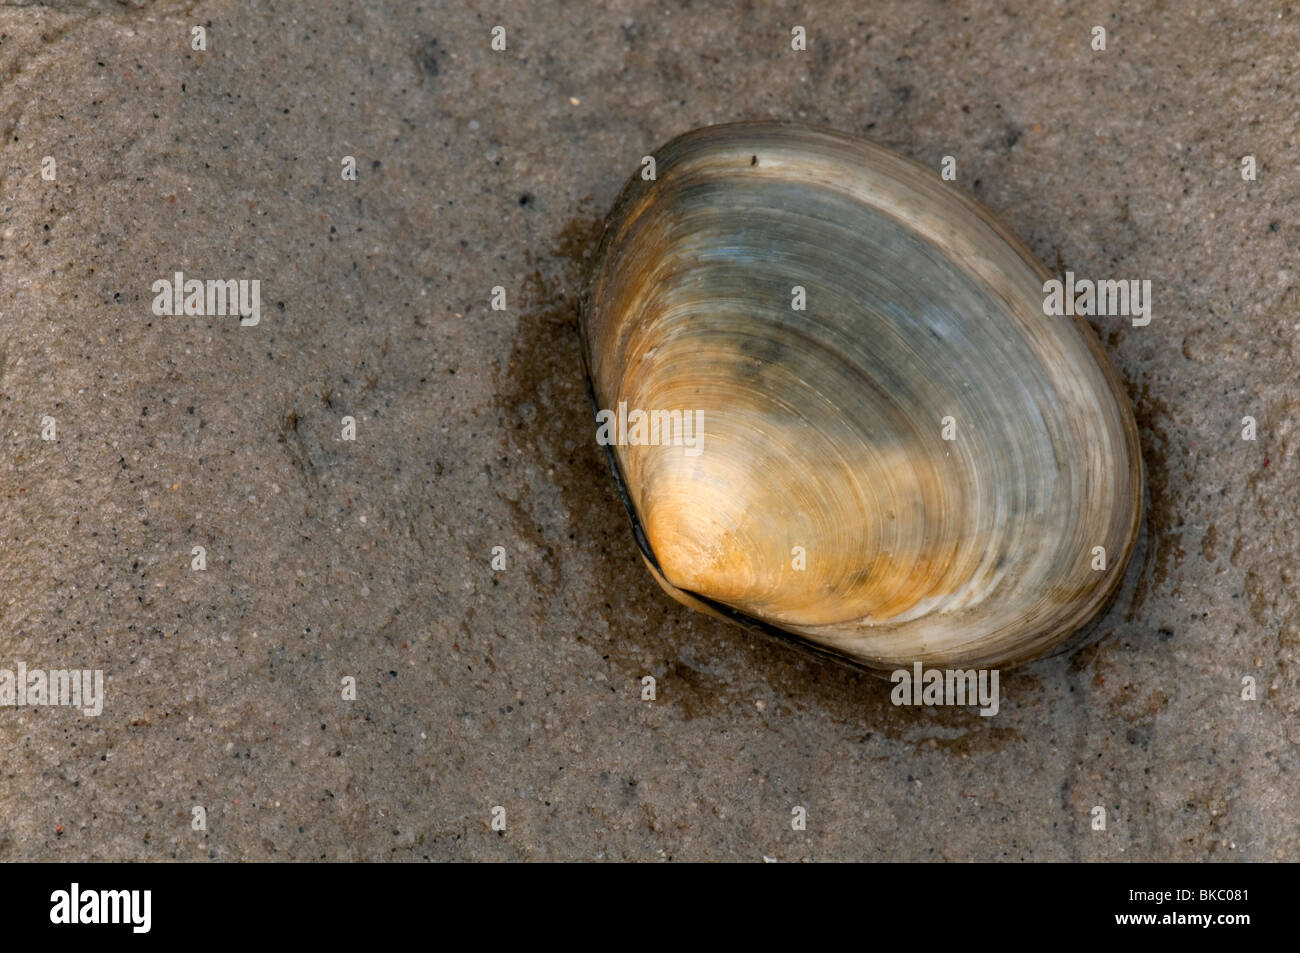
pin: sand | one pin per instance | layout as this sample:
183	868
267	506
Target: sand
371	558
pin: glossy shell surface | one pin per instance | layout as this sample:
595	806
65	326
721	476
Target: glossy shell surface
918	465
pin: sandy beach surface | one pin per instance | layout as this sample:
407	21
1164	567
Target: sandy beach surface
327	559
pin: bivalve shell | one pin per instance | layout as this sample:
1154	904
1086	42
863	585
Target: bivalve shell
896	455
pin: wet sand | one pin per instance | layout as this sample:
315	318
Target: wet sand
328	558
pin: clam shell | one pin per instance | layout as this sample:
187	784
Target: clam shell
823	429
